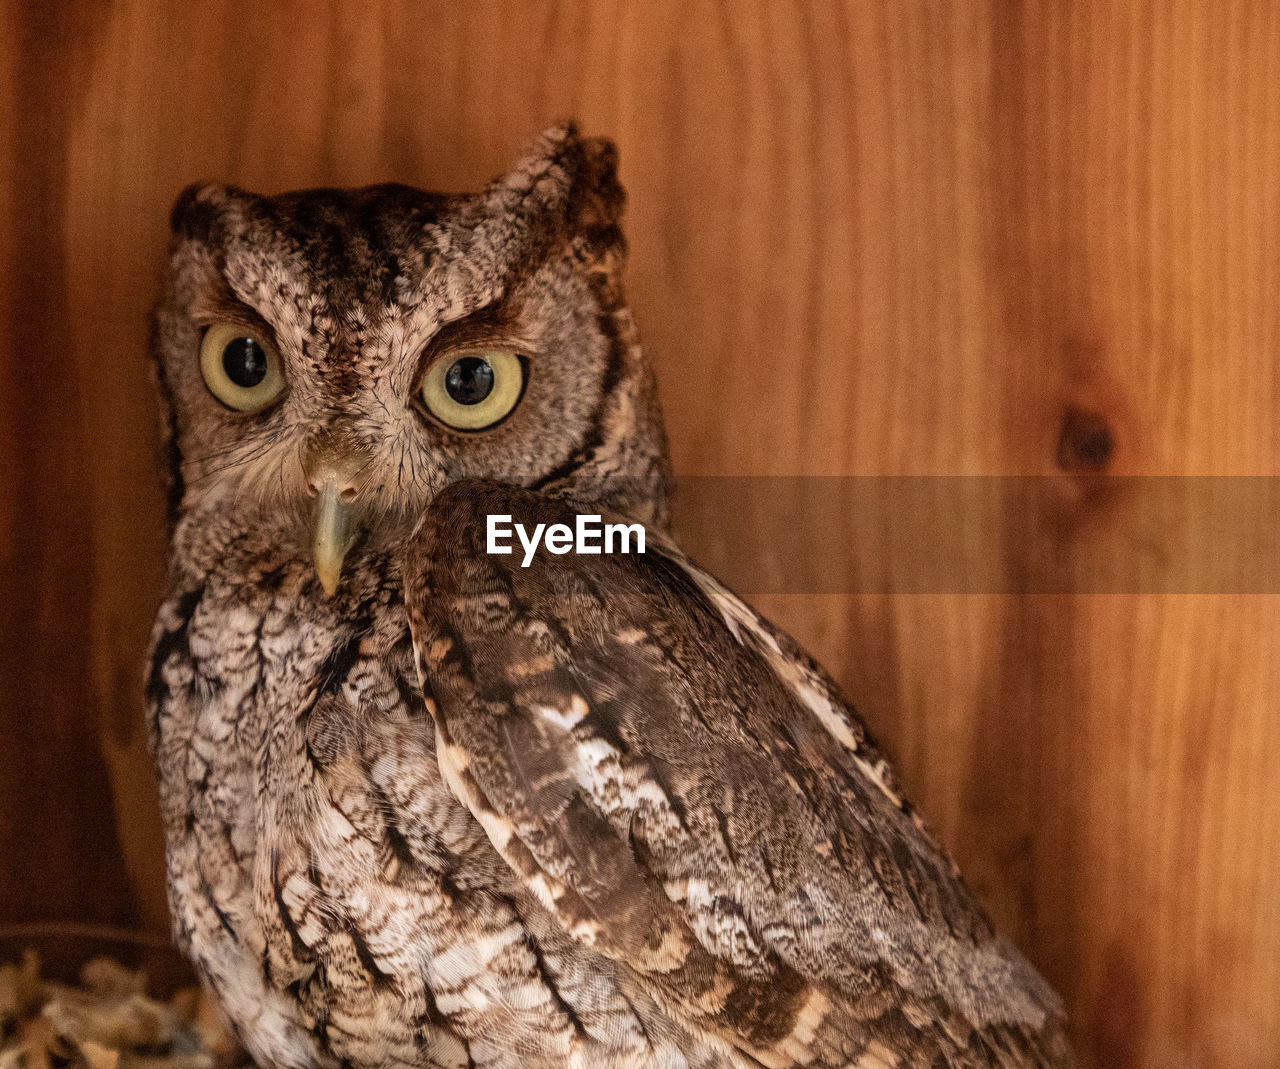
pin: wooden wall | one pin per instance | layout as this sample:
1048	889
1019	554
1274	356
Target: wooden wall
873	237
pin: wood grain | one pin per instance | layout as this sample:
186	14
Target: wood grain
885	237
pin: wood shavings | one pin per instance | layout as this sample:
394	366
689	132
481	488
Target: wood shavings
107	1022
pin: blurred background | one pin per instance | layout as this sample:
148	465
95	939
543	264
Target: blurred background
881	237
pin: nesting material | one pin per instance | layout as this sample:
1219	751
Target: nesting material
108	1022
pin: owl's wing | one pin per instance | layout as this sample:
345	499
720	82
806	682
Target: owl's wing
688	794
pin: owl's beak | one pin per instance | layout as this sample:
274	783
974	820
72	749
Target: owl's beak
335	531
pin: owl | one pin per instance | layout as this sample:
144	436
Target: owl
428	804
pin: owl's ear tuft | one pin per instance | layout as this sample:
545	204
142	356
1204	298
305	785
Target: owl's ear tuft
200	208
544	171
571	178
596	197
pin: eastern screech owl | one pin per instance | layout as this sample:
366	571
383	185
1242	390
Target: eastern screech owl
427	807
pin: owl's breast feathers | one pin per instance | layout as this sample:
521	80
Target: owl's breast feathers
690	797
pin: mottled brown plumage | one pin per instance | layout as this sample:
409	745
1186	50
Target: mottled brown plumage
592	812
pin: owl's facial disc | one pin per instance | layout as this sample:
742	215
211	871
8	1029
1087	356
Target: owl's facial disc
331	359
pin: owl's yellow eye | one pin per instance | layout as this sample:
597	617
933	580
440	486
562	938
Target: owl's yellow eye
475	390
241	369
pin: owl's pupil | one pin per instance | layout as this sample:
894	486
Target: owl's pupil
469	381
244	362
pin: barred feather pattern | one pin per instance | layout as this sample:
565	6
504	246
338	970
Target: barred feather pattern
690	795
340	900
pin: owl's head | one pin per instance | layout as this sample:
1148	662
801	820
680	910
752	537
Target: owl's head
331	359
